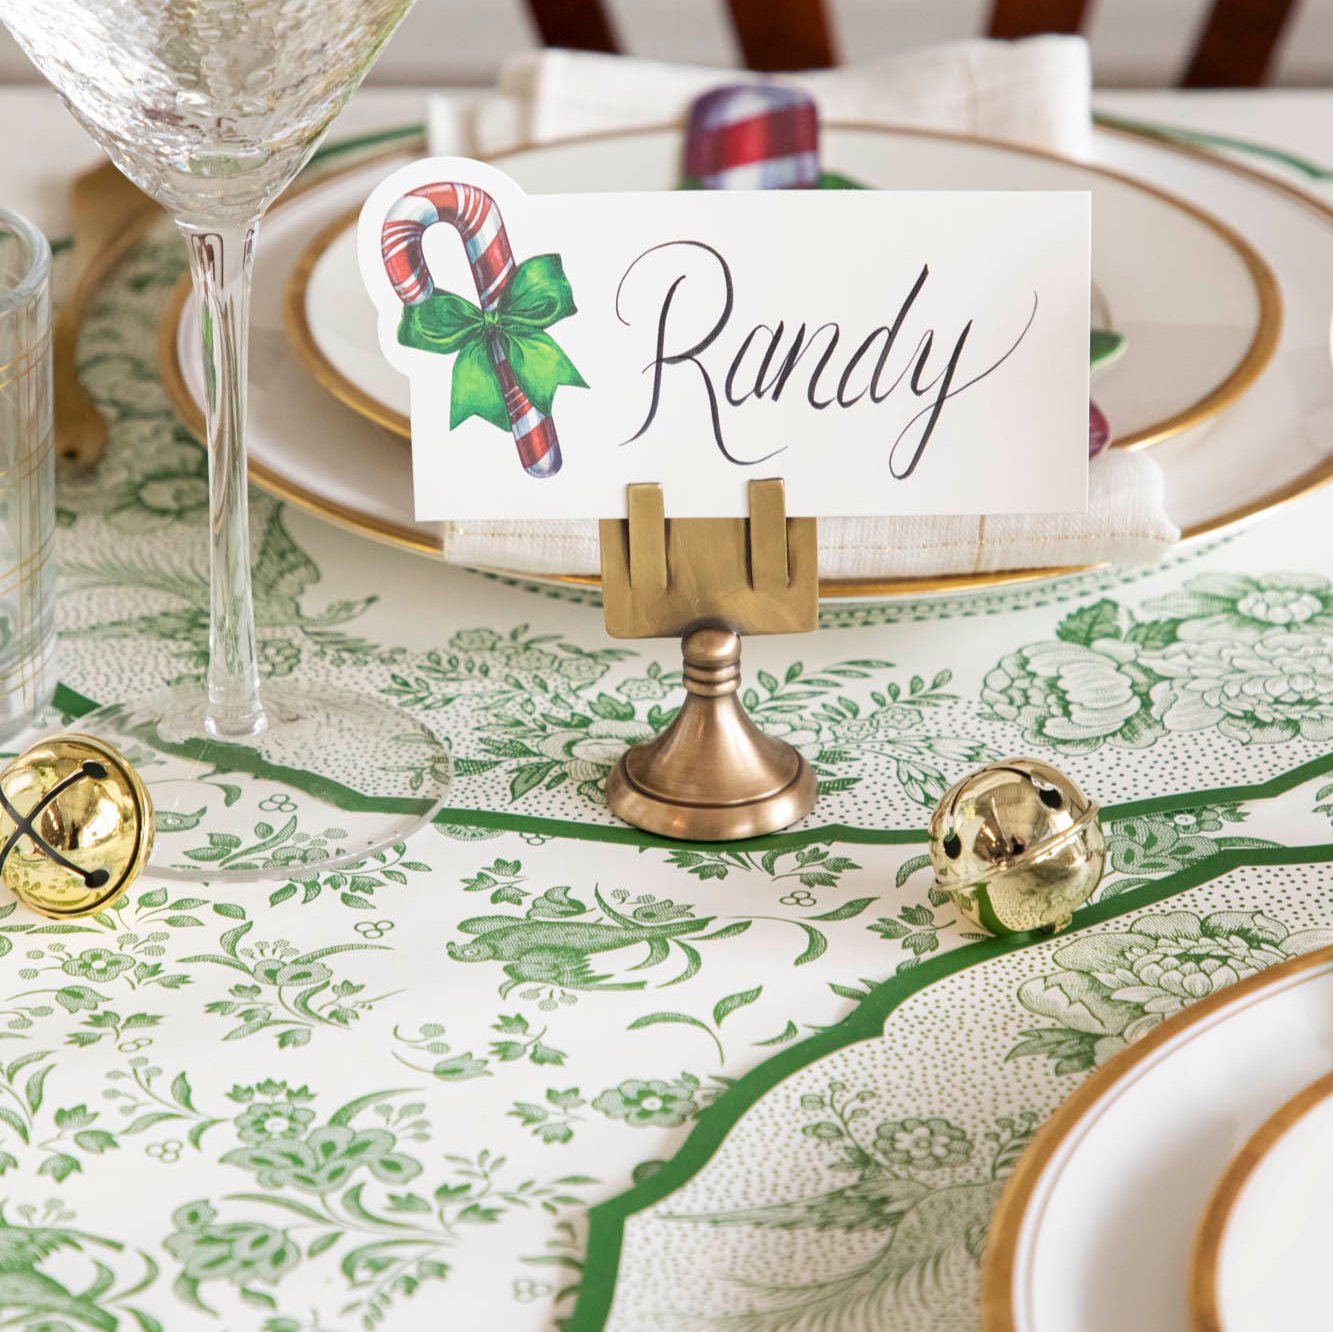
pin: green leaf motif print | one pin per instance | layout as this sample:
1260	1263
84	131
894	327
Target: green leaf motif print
54	1278
553	1122
56	1141
913	1182
549	949
812	867
289	636
1140	848
354	884
545	717
284	990
344	1188
324	1160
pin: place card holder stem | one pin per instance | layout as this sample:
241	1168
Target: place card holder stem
712	775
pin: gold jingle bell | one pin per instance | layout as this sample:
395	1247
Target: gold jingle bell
1017	846
77	826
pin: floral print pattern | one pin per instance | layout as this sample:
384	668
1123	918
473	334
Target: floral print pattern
1228	605
1072	696
922	1144
1110	988
1144	846
668	1104
238	1252
1249	657
98	964
307	1147
1264	690
280	1111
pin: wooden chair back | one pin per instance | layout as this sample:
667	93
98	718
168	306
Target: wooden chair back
1234	47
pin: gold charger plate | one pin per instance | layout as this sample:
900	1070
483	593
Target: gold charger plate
1023	1193
1260	351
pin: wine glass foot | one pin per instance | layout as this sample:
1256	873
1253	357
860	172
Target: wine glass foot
328	778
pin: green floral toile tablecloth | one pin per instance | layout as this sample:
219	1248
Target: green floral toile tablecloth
785	1078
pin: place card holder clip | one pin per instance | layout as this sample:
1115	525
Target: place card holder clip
711	775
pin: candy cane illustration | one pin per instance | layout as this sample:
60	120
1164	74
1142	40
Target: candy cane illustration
476	217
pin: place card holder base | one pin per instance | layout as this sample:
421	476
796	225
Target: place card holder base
711	775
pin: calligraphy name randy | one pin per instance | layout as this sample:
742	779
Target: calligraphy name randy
768	359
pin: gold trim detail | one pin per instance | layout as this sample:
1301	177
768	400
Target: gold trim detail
308	351
1024	1195
415	540
1205	1311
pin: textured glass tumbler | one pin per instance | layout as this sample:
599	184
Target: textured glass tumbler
27	476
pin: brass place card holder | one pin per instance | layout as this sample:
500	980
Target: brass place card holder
712	775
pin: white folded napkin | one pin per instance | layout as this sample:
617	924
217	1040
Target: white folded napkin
1124	524
1034	92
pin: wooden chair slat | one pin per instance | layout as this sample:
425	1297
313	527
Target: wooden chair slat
1028	18
783	35
1237	44
581	25
1235	47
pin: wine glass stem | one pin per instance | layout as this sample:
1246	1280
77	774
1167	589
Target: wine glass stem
222	265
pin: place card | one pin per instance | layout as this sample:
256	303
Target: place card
882	352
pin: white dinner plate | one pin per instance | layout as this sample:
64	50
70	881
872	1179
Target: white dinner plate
1096	1227
1196	306
1274	443
1261	1260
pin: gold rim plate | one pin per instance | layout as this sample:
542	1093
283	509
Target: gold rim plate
1024	1197
423	543
1205	1307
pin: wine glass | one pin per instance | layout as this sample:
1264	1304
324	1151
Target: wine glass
211	107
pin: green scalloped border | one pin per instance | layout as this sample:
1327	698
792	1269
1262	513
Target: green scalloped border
73	704
865	1022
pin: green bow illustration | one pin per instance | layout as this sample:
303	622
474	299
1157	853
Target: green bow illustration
537	296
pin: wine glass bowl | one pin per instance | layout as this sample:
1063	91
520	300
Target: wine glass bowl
211	107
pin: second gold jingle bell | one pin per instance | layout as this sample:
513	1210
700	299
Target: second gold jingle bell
1017	846
77	826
